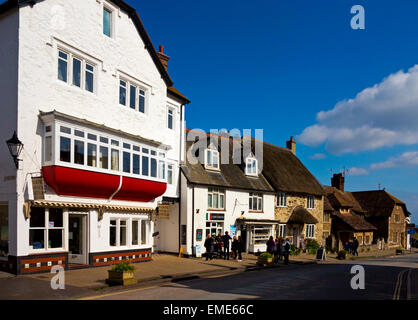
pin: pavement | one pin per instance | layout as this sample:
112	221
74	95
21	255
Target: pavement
162	269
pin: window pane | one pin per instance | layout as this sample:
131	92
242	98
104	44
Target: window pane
134	232
215	159
170	119
153	167
141	99
55	218
104	140
132	97
65	149
161	170
126	162
145	166
221	201
37	238
55	238
37	217
215	201
62	66
135	163
78	152
104	157
92	137
115	160
76	72
144	232
48	148
91	155
122	234
251	203
170	174
209	200
89	78
106	22
79	133
112	238
260	204
65	130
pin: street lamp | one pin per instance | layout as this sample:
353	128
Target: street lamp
15	148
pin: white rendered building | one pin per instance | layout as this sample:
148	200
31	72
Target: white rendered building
102	131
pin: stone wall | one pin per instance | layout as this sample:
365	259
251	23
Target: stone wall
293	200
398	227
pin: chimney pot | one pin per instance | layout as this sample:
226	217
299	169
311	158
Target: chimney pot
163	57
161	48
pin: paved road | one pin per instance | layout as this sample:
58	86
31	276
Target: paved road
386	278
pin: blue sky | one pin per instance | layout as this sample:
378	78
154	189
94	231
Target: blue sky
275	65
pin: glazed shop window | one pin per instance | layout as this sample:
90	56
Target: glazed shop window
281	199
132	95
310	231
118	232
256	202
216	198
260	235
92	150
310	202
214	228
4	230
76	71
123	229
46	228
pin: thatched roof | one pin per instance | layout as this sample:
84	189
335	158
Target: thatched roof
354	221
230	175
378	203
342	199
286	172
301	215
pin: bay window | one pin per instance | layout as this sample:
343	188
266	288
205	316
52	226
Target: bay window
256	202
216	198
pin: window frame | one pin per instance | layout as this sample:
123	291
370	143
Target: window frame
255	196
310	200
310	231
251	166
218	192
173	121
280	197
213	154
70	71
138	88
281	230
107	8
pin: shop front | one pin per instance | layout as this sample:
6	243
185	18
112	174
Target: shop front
255	233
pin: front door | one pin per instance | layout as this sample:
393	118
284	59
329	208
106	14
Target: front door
77	238
296	236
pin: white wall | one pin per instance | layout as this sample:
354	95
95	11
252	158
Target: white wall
76	25
9	52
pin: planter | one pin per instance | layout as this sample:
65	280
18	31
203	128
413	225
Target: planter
263	261
342	255
117	278
399	251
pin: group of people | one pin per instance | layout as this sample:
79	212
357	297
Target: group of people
280	248
352	247
221	244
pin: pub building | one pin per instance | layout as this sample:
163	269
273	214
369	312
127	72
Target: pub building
224	197
97	131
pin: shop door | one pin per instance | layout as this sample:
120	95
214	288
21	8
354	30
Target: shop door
77	238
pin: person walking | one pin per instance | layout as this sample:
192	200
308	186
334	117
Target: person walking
234	247
277	251
225	239
355	246
209	247
286	251
240	248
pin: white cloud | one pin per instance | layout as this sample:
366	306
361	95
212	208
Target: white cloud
357	171
381	116
406	159
318	156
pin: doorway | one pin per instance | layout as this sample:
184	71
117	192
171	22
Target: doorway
77	238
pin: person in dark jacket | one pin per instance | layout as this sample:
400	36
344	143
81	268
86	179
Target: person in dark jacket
240	248
225	239
277	251
271	245
234	247
355	247
209	247
286	251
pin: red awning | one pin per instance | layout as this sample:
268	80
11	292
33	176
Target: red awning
83	183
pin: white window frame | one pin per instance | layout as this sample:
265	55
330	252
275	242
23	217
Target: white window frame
46	228
310	231
218	193
310	202
256	196
170	168
173	118
281	200
281	230
251	166
84	61
138	88
142	242
109	9
210	155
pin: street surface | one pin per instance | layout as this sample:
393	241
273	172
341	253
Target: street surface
386	278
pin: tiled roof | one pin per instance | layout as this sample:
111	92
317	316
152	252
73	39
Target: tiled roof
378	203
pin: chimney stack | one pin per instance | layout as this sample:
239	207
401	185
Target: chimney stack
163	57
337	181
291	145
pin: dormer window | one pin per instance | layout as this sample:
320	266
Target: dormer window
251	166
212	159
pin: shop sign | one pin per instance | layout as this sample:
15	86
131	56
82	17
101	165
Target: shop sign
233	230
215	216
164	211
199	234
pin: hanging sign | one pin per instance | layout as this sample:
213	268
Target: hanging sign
164	211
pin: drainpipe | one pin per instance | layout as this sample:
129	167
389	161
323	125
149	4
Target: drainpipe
180	176
192	220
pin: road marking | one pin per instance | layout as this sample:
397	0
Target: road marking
397	292
408	285
116	293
